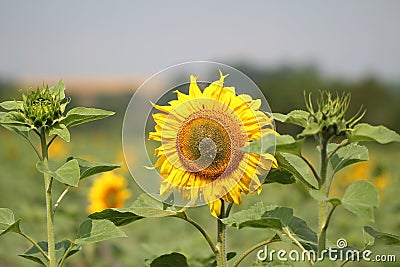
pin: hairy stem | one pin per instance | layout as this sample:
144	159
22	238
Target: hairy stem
296	242
57	204
326	224
48	181
203	233
251	249
322	188
221	239
65	256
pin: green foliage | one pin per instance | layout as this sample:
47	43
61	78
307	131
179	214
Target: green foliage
12	105
364	132
145	206
7	222
297	167
88	169
287	144
259	216
93	231
279	219
60	130
67	174
296	117
42	112
326	263
348	155
64	248
170	260
361	198
383	238
279	176
81	115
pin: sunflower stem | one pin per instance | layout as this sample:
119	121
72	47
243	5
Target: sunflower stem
48	181
253	248
202	231
323	189
221	239
35	245
57	204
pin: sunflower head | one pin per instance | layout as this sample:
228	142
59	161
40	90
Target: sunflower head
108	191
200	133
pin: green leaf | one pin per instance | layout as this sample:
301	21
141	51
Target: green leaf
261	146
274	263
297	167
81	115
93	231
8	222
91	168
368	133
12	105
260	216
383	238
326	263
144	206
69	173
58	89
21	129
303	233
12	118
279	176
170	260
286	143
119	216
60	130
360	198
147	206
348	155
297	117
61	248
311	129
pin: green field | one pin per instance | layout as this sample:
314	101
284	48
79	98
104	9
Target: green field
21	190
22	186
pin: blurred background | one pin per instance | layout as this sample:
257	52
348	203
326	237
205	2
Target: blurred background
104	50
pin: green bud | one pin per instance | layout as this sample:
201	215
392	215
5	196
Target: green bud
42	108
330	115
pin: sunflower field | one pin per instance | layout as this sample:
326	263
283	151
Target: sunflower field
142	241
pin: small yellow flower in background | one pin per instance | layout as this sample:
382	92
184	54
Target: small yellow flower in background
108	191
200	133
368	170
58	149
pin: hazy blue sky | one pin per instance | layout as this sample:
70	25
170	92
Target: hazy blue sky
124	37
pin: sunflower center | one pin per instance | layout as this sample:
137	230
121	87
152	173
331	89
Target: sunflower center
204	147
111	198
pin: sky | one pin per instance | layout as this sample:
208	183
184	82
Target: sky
95	37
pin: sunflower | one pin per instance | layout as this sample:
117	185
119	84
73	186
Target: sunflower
200	133
369	170
108	191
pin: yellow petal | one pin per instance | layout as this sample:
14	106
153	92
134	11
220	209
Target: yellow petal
215	208
194	90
